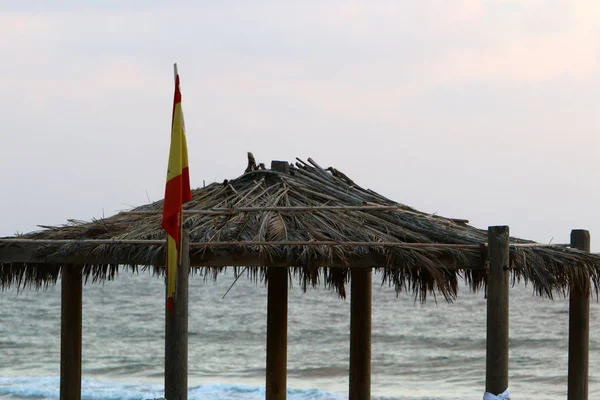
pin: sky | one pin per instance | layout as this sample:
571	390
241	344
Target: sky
487	110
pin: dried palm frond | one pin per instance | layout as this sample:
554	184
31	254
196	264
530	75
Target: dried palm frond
420	270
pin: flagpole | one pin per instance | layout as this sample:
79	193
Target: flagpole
176	322
176	333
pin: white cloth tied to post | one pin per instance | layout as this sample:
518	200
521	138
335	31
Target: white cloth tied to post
502	396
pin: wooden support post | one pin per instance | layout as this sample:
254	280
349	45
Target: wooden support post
277	312
70	333
176	333
579	326
277	309
360	333
496	368
280	166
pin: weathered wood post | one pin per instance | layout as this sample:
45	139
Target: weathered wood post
277	312
70	332
496	368
579	325
360	333
176	332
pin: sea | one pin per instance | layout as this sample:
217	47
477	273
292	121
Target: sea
432	351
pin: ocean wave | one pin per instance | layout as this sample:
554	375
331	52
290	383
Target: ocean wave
47	388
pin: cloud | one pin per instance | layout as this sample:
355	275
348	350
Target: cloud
537	41
426	102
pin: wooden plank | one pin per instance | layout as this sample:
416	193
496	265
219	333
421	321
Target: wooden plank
496	378
70	333
176	333
360	333
579	327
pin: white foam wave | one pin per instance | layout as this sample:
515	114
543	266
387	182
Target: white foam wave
47	388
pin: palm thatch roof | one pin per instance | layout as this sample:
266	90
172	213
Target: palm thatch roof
315	221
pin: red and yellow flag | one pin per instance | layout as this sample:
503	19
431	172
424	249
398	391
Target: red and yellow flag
177	193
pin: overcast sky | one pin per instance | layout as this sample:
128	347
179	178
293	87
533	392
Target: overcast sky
484	110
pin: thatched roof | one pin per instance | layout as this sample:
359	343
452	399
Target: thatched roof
255	221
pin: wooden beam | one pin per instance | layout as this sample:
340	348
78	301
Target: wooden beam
496	377
70	333
223	257
242	243
289	209
579	326
277	313
20	253
360	333
176	333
